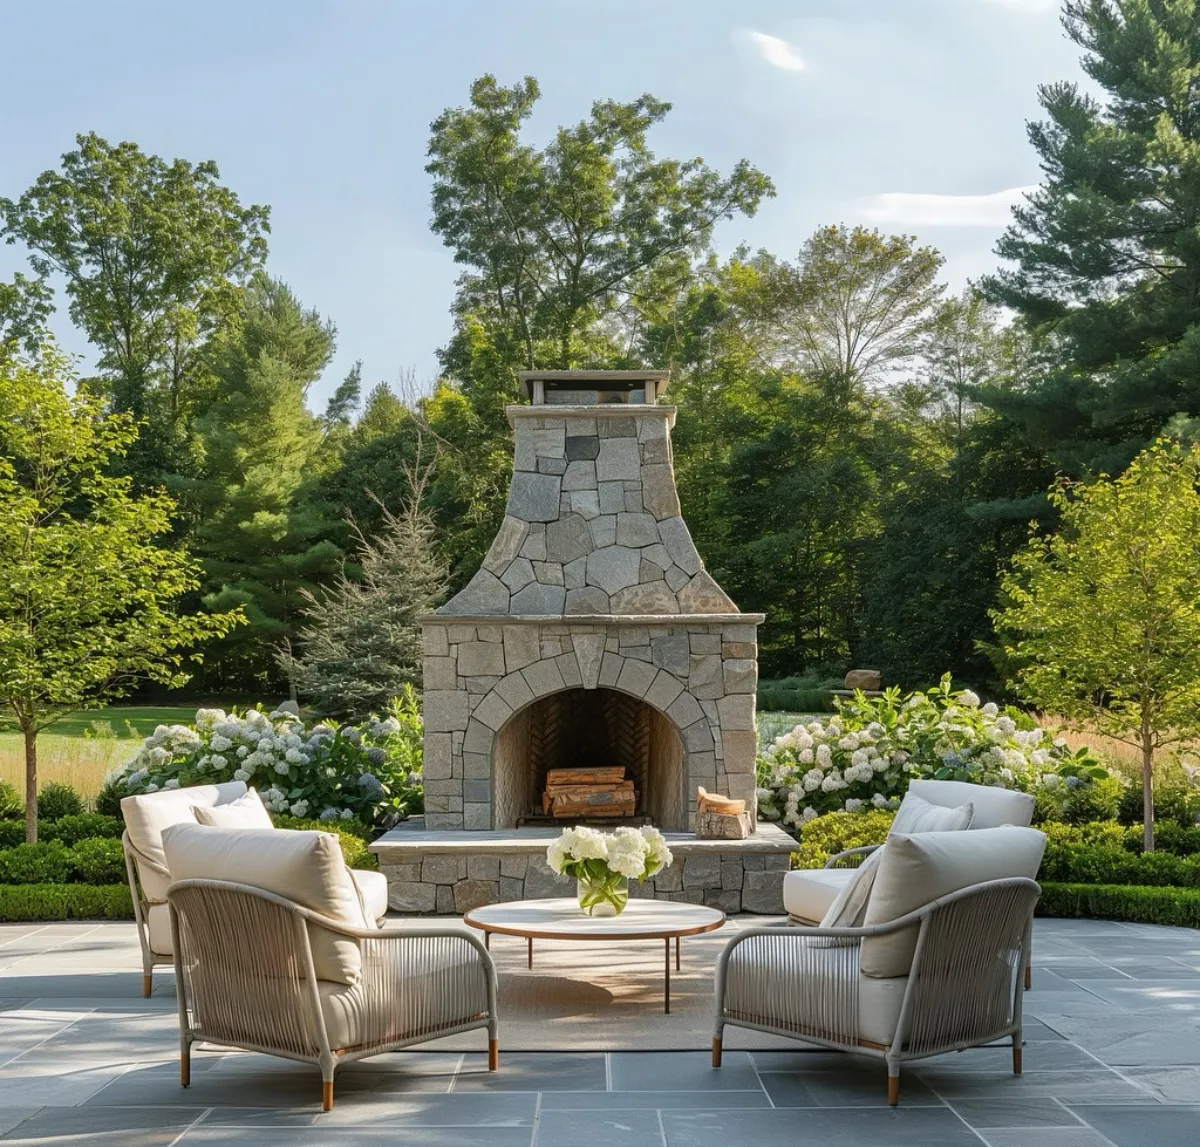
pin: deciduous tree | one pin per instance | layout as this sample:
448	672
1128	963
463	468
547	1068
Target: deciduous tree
88	592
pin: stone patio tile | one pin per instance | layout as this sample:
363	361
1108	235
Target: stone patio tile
534	1071
649	1100
843	1089
323	1136
1176	995
1032	1029
814	1061
599	1129
1042	1055
1076	1002
57	1089
1146	1127
1072	1087
680	1071
1075	968
1168	1084
893	1127
1171	969
380	1108
1046	1137
135	1126
158	1086
1014	1112
126	985
11	1116
1133	1041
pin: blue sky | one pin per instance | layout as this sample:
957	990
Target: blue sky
905	114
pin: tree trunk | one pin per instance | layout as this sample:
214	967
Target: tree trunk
1148	796
31	786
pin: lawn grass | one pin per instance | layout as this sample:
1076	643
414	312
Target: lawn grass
83	747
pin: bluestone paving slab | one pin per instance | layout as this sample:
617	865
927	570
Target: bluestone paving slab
1043	1055
889	1127
649	1100
323	1136
1168	1084
843	1089
680	1071
1099	1086
1146	1127
599	1129
534	1072
11	1116
82	1123
1014	1112
1046	1137
1133	1041
1176	995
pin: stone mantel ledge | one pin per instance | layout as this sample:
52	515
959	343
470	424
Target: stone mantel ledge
411	837
580	619
550	411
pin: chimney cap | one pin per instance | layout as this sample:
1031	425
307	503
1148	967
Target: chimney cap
593	387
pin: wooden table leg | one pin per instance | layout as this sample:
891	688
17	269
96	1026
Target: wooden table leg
487	940
677	953
667	976
531	951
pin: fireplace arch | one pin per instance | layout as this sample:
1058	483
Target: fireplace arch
577	727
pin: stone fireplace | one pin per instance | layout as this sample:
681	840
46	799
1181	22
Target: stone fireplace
592	636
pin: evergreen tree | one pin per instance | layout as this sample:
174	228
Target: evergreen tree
1105	252
261	540
360	644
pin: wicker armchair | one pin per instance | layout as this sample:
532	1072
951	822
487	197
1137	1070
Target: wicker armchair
245	978
962	988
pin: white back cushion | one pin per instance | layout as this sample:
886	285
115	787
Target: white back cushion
246	812
304	867
147	815
848	909
916	814
917	869
993	806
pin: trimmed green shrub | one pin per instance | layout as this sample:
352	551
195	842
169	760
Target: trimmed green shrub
352	839
1173	837
82	826
35	902
98	861
12	833
108	799
42	863
58	800
836	831
1141	905
1080	804
12	807
1172	803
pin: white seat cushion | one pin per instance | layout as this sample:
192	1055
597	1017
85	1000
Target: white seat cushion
147	815
372	887
993	806
305	867
808	892
918	869
916	814
247	811
158	924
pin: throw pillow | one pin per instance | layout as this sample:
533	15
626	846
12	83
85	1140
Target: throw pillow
246	812
850	906
916	814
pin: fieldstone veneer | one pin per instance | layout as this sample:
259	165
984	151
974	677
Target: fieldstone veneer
592	583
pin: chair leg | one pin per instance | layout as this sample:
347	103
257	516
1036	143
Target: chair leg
327	1095
147	984
1028	977
1016	1055
493	1054
185	1064
716	1051
893	1090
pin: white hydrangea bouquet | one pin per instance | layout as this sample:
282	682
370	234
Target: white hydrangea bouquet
603	863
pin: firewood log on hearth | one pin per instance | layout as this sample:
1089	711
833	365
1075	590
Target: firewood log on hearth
598	792
710	802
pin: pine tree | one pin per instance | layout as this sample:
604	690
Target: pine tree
361	644
1105	251
262	541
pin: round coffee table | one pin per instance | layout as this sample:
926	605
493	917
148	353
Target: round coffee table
562	919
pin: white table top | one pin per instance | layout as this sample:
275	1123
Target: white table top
562	919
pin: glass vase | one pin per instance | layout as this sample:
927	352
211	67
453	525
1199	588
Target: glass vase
604	895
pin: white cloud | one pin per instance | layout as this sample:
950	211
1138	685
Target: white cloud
778	53
896	207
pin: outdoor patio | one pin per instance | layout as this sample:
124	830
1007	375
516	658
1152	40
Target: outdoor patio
1113	1057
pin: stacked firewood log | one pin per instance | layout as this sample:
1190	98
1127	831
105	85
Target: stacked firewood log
588	792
